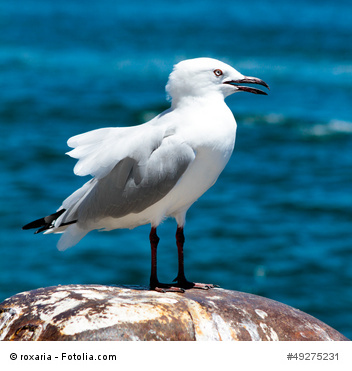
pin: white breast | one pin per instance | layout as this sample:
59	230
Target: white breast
212	136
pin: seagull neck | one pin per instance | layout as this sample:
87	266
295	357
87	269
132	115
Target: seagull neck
191	100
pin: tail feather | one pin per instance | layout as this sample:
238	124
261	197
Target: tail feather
47	222
72	235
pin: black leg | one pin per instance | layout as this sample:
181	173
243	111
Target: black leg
180	240
154	282
154	240
181	278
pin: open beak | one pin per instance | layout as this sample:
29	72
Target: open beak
248	80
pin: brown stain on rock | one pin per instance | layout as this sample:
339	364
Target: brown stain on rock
94	312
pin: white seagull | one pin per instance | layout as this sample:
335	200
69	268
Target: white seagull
146	173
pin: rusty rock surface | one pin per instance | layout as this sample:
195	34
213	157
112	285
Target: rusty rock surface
94	312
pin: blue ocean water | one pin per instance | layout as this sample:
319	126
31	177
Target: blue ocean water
278	222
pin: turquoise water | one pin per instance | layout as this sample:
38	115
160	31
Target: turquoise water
278	222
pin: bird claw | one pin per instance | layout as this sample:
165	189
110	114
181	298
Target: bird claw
180	286
203	286
185	284
169	289
164	287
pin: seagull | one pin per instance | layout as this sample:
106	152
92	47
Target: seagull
146	173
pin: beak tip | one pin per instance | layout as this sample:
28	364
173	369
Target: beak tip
260	92
249	80
261	82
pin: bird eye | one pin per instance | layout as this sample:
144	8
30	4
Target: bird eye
217	72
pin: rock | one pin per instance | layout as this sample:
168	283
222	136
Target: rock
93	312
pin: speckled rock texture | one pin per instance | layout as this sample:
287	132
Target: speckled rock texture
93	312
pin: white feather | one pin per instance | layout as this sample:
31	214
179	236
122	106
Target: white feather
196	136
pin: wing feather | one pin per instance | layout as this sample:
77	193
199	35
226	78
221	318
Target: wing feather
129	184
98	151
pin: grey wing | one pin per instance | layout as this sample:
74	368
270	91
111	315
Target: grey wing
134	184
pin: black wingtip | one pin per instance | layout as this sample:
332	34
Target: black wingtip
35	224
43	223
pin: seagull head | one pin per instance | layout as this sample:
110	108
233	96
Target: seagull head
203	77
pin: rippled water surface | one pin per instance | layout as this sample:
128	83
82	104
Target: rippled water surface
278	222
